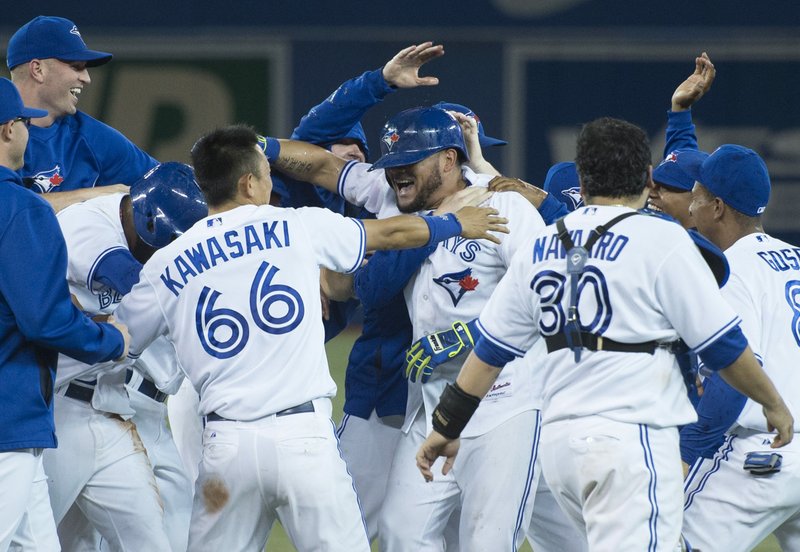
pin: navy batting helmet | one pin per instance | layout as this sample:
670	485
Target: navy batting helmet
485	140
166	202
414	134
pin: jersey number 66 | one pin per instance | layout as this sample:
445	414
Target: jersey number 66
274	308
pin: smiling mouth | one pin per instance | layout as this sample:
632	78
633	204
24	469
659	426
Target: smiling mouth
402	185
75	92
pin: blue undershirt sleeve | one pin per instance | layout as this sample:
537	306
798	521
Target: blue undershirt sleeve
717	411
118	270
552	209
680	132
339	112
725	350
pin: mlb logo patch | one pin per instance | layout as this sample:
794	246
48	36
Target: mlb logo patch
216	221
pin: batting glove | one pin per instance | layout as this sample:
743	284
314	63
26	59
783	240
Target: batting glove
432	350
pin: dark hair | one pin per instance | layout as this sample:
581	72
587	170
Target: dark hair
221	157
612	158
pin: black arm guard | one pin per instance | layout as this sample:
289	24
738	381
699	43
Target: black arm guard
454	410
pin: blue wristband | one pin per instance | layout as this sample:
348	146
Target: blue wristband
270	146
442	227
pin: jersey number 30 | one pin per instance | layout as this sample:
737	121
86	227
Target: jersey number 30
274	308
552	288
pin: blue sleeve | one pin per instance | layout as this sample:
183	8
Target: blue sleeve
34	285
491	354
724	350
552	209
118	270
717	411
680	132
338	113
121	161
387	273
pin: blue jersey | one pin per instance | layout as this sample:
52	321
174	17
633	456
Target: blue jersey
37	318
77	152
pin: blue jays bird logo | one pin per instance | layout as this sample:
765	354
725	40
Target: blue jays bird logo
45	181
573	195
390	139
457	284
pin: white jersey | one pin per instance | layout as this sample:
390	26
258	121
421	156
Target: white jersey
92	229
238	295
632	291
453	284
764	289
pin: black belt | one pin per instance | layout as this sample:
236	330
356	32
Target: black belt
79	392
299	409
595	342
147	388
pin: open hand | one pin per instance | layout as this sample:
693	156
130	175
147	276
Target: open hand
477	222
402	70
694	87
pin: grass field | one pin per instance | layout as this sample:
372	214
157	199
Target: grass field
338	349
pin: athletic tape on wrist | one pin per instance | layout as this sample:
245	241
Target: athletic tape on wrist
442	227
270	146
454	411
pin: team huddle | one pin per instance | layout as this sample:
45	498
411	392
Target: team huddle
601	363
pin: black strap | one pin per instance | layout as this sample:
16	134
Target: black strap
595	342
566	239
576	262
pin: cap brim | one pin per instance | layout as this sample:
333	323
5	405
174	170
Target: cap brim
488	141
92	58
33	113
400	159
665	179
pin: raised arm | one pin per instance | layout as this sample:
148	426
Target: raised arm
681	132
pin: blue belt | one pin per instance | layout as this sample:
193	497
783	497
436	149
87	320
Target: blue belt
147	388
299	409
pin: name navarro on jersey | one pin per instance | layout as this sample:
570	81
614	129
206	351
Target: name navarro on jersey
607	248
237	243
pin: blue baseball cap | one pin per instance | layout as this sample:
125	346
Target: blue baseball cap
677	170
46	37
738	176
11	105
563	184
485	141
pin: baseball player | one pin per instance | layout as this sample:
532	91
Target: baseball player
39	320
100	464
741	491
422	152
613	393
549	528
69	152
238	295
672	178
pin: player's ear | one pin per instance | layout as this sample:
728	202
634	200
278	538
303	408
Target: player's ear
245	185
6	131
449	160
